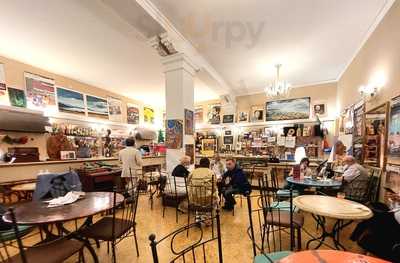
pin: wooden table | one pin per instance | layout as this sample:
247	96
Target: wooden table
38	213
339	209
329	256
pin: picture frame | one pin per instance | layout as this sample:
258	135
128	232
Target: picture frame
243	116
228	140
96	106
189	122
320	109
174	134
228	118
214	114
257	113
288	109
17	97
70	101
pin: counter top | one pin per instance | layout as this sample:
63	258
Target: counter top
79	160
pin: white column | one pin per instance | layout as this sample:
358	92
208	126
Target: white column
179	92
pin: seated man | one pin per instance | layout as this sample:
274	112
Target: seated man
355	178
234	181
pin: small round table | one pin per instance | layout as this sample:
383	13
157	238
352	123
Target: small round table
38	213
328	256
342	210
314	183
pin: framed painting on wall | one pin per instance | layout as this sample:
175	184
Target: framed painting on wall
243	116
148	114
3	88
291	109
96	107
114	109
257	114
189	122
198	115
174	134
228	118
70	101
189	151
17	97
320	109
40	92
132	114
214	114
394	132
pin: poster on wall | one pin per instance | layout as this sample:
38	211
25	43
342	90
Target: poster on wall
132	114
17	97
3	88
189	122
70	101
174	134
114	109
40	92
214	114
148	114
198	115
292	109
394	132
96	107
189	151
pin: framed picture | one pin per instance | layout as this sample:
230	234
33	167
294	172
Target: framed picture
17	97
114	109
174	134
189	151
292	109
70	101
189	122
214	114
228	118
198	115
257	114
228	132
320	109
228	139
96	107
148	114
132	114
40	92
3	88
394	132
243	116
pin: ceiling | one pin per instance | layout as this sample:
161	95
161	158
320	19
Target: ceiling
243	39
89	41
105	42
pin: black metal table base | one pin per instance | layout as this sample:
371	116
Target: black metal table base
334	234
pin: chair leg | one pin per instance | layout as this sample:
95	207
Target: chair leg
108	248
97	243
299	239
113	253
136	242
188	222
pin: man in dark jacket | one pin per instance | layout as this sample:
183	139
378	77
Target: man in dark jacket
234	181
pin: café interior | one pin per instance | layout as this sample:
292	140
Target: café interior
198	131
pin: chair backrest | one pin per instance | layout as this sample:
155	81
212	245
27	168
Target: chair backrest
7	250
200	245
269	223
124	213
202	195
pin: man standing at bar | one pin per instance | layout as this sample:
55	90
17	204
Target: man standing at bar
131	159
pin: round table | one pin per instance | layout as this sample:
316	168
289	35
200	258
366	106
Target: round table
314	183
336	208
328	256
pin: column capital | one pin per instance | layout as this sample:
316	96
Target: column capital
179	61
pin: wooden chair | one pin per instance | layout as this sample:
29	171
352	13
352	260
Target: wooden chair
200	248
269	225
122	224
174	193
55	251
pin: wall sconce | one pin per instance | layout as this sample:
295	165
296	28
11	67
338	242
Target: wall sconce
368	92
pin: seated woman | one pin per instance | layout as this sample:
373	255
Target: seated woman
181	170
305	171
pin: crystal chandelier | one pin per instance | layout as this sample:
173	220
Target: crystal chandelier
279	88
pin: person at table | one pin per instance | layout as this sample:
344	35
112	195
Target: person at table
181	170
355	176
218	166
202	176
234	181
131	160
305	170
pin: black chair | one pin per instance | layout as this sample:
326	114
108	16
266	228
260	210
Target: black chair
174	193
269	225
202	198
197	249
122	224
55	251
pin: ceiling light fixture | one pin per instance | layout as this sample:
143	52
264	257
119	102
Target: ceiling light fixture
279	88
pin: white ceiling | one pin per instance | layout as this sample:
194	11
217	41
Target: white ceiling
104	43
313	39
86	40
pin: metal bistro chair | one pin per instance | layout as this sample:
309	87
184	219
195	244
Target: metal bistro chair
174	193
202	198
121	224
269	226
198	249
54	251
364	190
